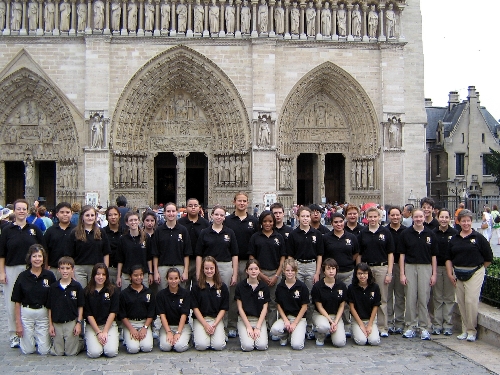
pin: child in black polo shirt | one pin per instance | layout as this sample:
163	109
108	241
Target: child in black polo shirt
364	300
65	306
252	298
292	297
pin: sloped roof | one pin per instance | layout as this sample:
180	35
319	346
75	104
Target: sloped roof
434	115
490	120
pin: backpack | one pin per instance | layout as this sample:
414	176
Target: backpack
497	219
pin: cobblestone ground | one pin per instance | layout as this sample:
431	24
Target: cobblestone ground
394	356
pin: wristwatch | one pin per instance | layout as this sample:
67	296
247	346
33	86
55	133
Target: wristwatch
146	327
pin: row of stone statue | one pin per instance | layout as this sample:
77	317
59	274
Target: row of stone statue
362	174
230	170
67	176
147	17
130	171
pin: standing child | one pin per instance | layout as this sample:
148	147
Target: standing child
364	300
292	297
252	298
210	302
65	306
137	312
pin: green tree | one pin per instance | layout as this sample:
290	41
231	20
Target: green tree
492	160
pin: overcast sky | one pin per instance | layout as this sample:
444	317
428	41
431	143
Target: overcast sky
461	49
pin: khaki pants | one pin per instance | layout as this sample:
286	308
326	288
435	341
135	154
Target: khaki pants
113	272
468	300
192	273
181	345
297	337
65	342
443	294
247	343
323	328
359	336
396	300
226	273
272	310
233	314
379	272
83	273
417	293
162	270
133	345
94	347
346	278
35	331
203	341
11	272
306	274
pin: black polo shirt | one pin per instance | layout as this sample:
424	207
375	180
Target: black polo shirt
194	229
32	290
89	252
57	241
469	251
267	250
252	300
222	246
354	231
114	239
395	237
322	229
136	305
330	298
131	251
100	304
243	230
433	224
292	299
342	249
443	238
210	301
64	302
419	248
375	247
364	300
173	306
303	245
171	245
15	242
285	231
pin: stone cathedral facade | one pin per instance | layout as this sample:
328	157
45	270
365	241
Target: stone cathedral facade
161	100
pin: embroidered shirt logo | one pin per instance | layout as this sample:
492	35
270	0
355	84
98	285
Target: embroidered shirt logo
73	294
45	283
277	241
32	232
286	235
341	292
148	297
218	293
428	240
180	236
348	242
372	295
381	237
472	240
313	239
250	224
449	237
227	238
296	294
260	294
181	301
106	296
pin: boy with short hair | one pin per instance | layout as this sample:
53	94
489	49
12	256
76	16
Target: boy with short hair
65	305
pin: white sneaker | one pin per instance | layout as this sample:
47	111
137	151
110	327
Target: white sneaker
14	342
275	338
424	335
320	342
283	342
232	334
462	336
471	338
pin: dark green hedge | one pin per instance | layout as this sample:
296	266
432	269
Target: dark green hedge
490	293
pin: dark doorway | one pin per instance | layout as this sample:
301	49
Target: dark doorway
335	178
47	183
197	177
14	178
305	178
165	177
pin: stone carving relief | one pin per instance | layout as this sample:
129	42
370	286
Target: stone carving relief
65	11
326	20
263	126
98	129
230	170
362	174
372	22
81	11
279	18
3	8
67	175
342	20
263	17
393	129
310	20
390	21
356	22
17	13
285	172
130	170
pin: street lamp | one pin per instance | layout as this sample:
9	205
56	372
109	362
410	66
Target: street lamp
457	189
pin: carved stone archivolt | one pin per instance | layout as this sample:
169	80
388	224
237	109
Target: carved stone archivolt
393	129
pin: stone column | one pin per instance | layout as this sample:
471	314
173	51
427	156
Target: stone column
350	38
321	175
106	30
271	18
23	30
364	9
29	179
173	28
254	33
222	13
140	31
6	31
287	20
124	19
205	31
39	31
302	31
157	19
381	37
189	31
2	181
237	30
56	19
181	176
319	36
401	7
88	29
334	22
72	30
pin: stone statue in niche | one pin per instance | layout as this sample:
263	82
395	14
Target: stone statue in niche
390	21
326	20
199	14
116	12
98	15
181	16
363	175
17	12
97	129
279	18
237	172
356	21
353	174
116	170
264	133
294	19
263	16
227	173
132	16
2	15
245	18
215	175
394	133
370	174
372	22
49	16
134	171
342	20
81	11
310	20
32	16
29	171
213	17
145	170
65	10
245	173
165	15
230	17
232	170
149	16
358	174
221	170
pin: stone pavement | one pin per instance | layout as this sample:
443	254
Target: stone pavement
395	356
